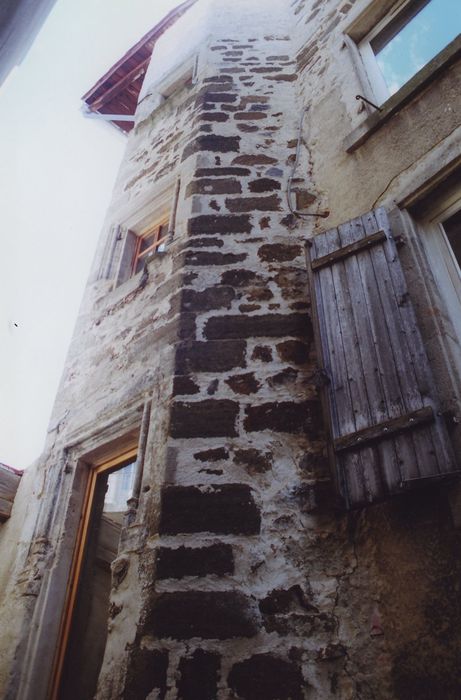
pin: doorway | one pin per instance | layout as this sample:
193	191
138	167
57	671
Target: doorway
84	628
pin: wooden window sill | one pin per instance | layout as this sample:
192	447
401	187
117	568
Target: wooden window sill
424	77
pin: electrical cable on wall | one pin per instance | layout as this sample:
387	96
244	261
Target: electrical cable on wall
295	212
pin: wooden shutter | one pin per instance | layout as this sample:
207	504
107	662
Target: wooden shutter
386	432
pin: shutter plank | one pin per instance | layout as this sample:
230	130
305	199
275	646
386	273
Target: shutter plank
402	459
355	370
335	364
373	353
443	454
385	459
403	333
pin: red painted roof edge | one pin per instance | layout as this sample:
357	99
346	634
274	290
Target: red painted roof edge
154	33
19	472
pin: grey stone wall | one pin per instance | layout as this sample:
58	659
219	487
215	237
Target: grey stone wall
238	576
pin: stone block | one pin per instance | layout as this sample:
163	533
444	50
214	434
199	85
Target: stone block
210	356
222	172
217	559
213	455
205	614
213	224
261	326
184	385
212	142
228	509
218	297
277	252
209	418
253	460
254	159
264	184
284	417
198	678
244	204
267	677
213	186
243	383
147	671
206	258
293	351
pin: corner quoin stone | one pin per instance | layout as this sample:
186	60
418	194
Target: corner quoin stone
209	418
218	559
262	326
227	509
205	614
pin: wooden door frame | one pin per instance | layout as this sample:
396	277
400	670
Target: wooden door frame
94	472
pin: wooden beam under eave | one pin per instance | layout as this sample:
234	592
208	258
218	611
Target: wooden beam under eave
119	86
9	482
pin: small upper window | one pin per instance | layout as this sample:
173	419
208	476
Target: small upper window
406	40
148	243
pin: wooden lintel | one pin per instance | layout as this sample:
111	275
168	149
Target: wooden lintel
350	249
387	429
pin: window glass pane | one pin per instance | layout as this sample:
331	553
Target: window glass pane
119	489
427	33
452	227
146	242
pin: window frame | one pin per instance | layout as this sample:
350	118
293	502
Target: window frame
153	249
377	83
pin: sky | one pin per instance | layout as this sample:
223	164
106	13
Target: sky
57	170
435	26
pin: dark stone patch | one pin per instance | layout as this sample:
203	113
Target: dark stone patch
304	199
233	70
284	417
212	142
210	615
264	184
206	300
213	455
217	559
264	69
211	356
205	243
213	186
212	387
277	252
228	509
229	108
240	278
293	351
199	676
218	172
257	159
208	418
248	308
247	128
214	117
282	77
255	461
219	79
218	97
204	258
299	306
262	353
243	383
206	128
214	205
244	204
184	385
292	282
147	670
263	326
281	601
239	116
207	224
266	677
285	377
181	328
233	53
264	222
274	172
278	58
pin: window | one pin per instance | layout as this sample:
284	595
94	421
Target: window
442	229
148	243
84	629
402	43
